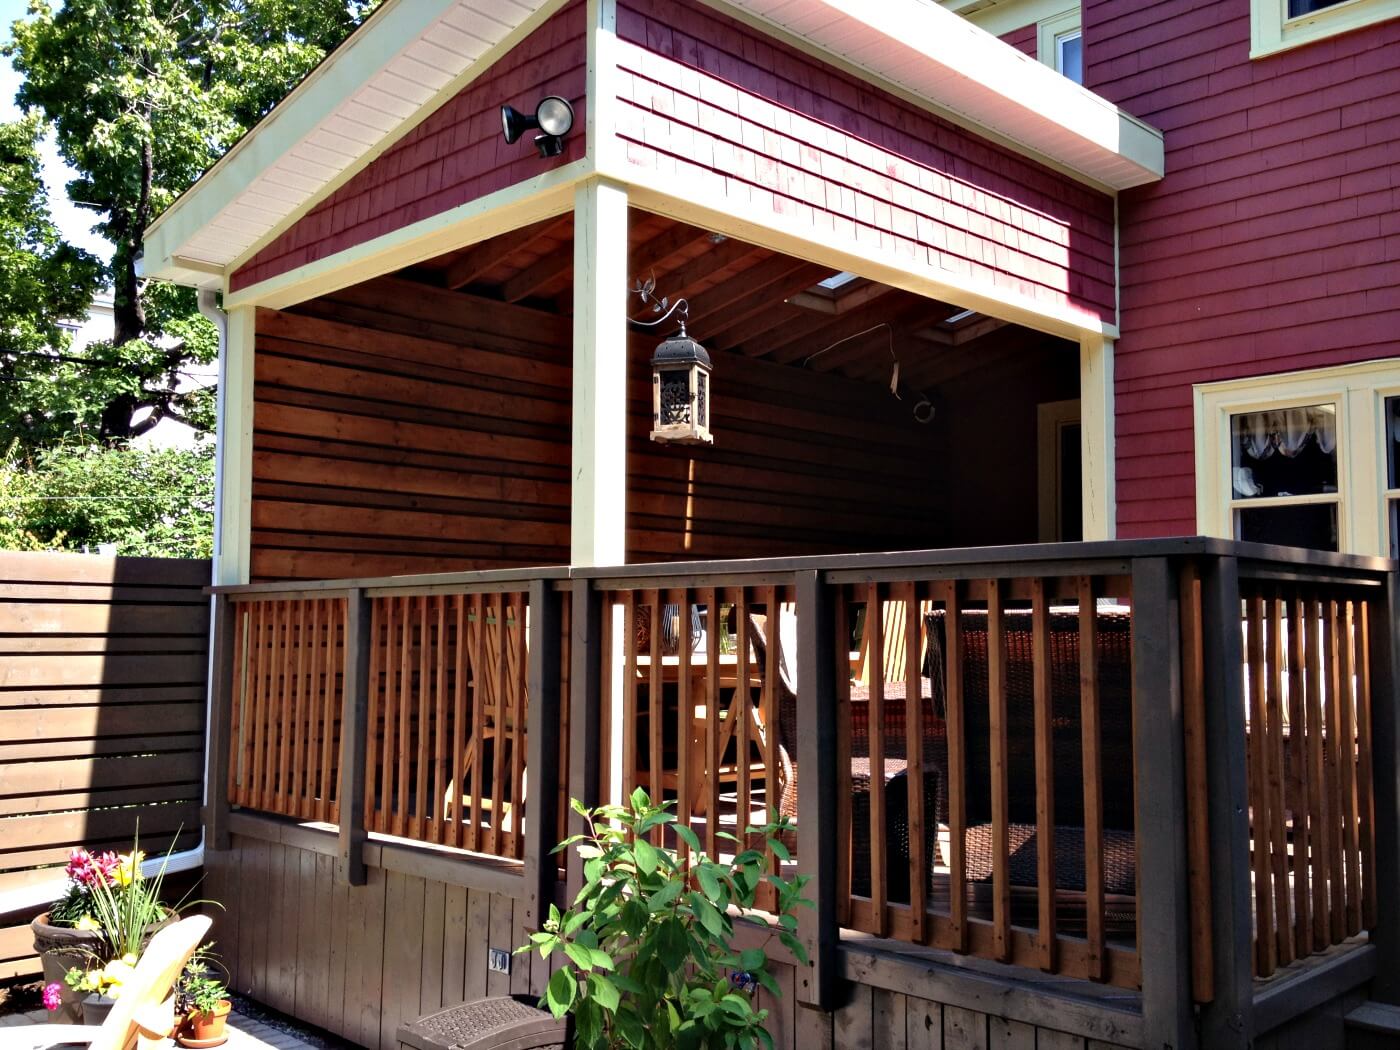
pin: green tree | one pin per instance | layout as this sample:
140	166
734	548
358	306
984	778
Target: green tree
42	282
148	502
143	95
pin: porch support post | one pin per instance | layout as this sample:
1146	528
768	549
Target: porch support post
599	513
1096	431
1227	1021
542	806
235	453
1384	621
817	830
221	701
585	711
354	737
1164	936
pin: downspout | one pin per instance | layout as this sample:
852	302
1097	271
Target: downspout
40	894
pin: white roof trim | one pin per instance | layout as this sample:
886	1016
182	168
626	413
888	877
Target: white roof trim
413	54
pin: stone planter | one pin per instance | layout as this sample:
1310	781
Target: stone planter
60	948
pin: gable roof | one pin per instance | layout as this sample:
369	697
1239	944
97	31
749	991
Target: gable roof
410	56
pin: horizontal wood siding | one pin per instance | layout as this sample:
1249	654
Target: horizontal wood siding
405	430
103	665
721	106
1026	39
454	156
803	463
1273	242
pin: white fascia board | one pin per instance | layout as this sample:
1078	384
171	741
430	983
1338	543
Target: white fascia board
390	30
934	54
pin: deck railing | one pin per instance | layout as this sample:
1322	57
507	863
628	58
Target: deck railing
1047	756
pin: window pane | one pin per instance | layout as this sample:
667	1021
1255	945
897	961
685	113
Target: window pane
1392	441
1069	59
1286	452
1394	508
1297	8
1307	525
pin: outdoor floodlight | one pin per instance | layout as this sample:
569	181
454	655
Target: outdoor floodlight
554	116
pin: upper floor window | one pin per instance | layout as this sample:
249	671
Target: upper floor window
1277	25
1069	55
1059	43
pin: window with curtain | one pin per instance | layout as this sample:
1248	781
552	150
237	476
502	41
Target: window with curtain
1284	476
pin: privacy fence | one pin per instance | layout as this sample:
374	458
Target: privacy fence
103	672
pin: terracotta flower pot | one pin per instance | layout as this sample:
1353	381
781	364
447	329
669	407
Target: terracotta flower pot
204	1029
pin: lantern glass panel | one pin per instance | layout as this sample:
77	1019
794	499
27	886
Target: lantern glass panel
675	398
702	397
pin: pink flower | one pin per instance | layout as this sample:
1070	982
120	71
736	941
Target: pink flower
80	868
107	863
53	996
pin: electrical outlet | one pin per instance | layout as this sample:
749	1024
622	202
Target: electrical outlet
497	961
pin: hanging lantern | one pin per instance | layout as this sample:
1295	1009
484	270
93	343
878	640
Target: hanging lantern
680	391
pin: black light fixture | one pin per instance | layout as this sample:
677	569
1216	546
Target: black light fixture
554	116
680	376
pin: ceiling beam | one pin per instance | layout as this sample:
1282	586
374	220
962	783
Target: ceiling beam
755	289
746	336
892	328
547	268
671	241
676	283
819	330
480	258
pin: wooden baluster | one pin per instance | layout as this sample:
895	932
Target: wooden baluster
500	688
1091	745
1366	766
381	629
1332	751
712	740
1317	768
389	770
434	803
685	716
1299	730
740	719
481	690
419	811
1193	724
768	716
258	671
361	637
1044	774
957	765
460	718
519	723
288	708
292	761
1278	813
841	631
1346	743
656	711
1266	950
1001	810
917	819
875	646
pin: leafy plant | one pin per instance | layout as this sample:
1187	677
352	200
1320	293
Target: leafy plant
199	991
647	941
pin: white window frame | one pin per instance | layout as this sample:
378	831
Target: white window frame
1358	391
1272	31
1050	31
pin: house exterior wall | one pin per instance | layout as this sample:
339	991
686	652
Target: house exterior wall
456	155
718	106
1025	39
1273	242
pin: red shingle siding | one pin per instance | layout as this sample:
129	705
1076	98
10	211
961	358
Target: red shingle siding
1273	243
1026	39
720	104
454	156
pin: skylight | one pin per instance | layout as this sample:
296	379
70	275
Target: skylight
837	280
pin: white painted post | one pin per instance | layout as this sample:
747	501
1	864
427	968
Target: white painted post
599	514
233	541
598	529
1096	438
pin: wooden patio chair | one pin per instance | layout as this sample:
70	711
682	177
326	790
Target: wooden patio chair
143	1015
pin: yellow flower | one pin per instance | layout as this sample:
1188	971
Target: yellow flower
94	979
87	922
129	868
119	971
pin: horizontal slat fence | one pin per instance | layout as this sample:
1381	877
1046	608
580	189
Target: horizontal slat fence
1015	738
1308	712
103	669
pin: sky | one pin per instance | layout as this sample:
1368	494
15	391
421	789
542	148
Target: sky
75	222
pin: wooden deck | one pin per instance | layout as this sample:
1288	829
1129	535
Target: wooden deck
1170	744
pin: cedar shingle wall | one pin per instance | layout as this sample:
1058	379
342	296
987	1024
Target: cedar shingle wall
722	106
456	155
1273	243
